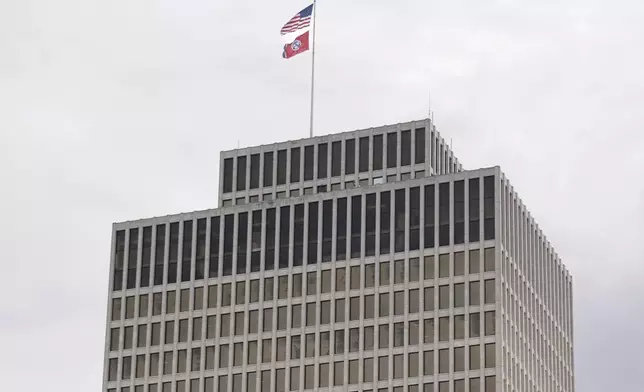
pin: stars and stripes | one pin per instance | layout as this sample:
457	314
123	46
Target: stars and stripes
300	21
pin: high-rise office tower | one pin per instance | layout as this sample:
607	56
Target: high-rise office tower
360	261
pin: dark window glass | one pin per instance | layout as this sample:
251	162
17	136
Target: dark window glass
336	159
186	252
399	221
429	216
200	262
229	232
308	163
241	173
159	254
414	218
132	259
405	148
356	220
323	152
285	220
385	223
242	241
119	260
256	242
228	175
363	156
268	168
254	171
419	146
295	164
377	152
488	207
327	230
312	256
392	149
298	235
173	253
341	244
459	212
213	263
281	167
370	243
269	262
146	257
443	214
474	207
350	157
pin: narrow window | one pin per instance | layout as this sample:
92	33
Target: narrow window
308	163
146	257
256	242
363	155
228	175
405	148
281	167
173	254
350	157
323	151
392	149
295	164
159	255
356	220
242	240
443	214
327	230
459	212
229	232
488	208
370	241
241	173
399	221
213	263
133	253
336	159
429	216
268	168
414	218
269	259
341	219
200	262
474	207
385	224
186	252
377	152
298	235
254	171
284	233
312	256
419	146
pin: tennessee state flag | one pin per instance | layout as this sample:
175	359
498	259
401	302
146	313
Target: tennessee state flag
299	45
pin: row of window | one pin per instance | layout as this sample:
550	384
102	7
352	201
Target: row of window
334	186
324	285
212	384
457	325
293	235
447	360
446	296
329	160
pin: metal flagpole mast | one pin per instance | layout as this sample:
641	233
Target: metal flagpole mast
315	12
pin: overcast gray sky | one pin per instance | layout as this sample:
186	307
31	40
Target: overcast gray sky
117	110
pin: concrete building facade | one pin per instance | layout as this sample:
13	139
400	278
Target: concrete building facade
362	261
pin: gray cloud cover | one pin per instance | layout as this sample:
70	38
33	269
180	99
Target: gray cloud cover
117	110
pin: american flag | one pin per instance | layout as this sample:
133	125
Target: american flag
299	21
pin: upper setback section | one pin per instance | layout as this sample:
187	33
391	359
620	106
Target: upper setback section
333	162
385	221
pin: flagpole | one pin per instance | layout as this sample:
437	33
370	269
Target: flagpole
315	11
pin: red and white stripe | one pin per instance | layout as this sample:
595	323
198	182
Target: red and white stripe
296	23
